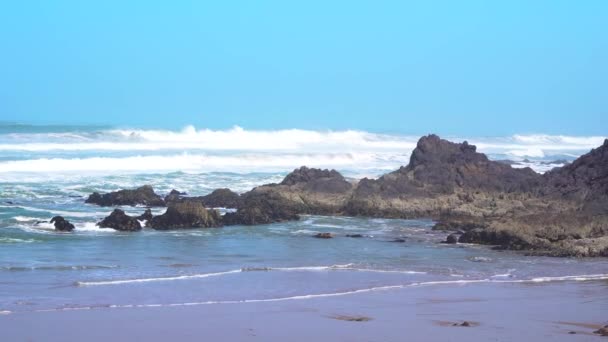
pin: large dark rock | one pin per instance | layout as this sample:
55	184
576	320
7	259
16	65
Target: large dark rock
146	216
317	180
144	195
261	208
451	239
222	198
503	238
585	181
439	167
118	220
186	214
62	224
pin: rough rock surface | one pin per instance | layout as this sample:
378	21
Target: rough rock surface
174	195
144	195
222	198
118	220
562	213
146	216
62	224
186	214
303	191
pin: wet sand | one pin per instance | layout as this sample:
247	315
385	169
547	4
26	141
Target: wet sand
563	311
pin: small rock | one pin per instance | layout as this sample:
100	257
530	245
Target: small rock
452	238
571	332
354	235
62	224
602	331
398	240
465	324
323	236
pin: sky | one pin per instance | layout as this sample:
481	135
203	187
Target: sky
482	68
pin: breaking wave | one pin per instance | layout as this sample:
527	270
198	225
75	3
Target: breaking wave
590	277
241	150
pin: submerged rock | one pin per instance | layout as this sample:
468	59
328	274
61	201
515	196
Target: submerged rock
62	224
118	220
354	235
144	195
323	236
186	214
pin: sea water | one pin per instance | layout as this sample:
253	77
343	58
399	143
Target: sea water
48	171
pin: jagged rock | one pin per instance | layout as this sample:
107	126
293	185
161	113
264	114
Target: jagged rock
317	180
222	198
585	180
174	195
442	176
62	224
323	236
118	220
186	214
141	196
146	216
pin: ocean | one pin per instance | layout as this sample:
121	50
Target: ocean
49	170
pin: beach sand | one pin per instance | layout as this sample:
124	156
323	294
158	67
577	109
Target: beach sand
563	311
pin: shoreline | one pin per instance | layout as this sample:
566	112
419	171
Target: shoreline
496	311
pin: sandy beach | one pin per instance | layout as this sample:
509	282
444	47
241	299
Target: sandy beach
568	311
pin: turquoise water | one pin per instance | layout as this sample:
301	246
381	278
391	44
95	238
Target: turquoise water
50	171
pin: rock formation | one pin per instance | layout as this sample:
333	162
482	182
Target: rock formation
62	224
186	214
221	198
120	221
144	195
563	212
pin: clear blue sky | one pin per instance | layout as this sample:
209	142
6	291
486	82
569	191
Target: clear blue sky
451	67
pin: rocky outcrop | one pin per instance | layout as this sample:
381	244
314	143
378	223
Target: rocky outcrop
222	198
118	220
584	181
144	195
563	212
174	195
146	216
443	179
317	180
62	224
262	207
186	214
303	191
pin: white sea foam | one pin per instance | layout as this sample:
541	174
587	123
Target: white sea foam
345	267
15	240
341	293
146	280
240	150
